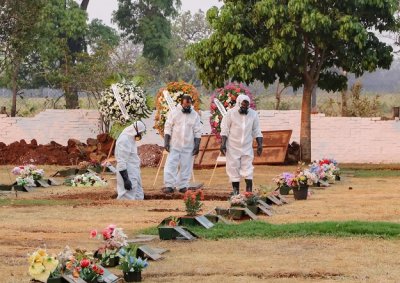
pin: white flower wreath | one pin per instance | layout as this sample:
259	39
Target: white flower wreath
133	98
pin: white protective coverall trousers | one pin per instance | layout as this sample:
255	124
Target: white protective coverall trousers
183	129
241	130
128	159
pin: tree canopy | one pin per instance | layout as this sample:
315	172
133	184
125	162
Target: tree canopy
300	42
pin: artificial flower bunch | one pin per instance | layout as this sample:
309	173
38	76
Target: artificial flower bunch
326	169
113	240
238	200
284	179
132	96
129	262
87	180
41	265
27	175
193	202
251	198
176	91
227	96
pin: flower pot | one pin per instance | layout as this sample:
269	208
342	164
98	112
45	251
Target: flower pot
300	193
55	280
167	233
337	177
188	221
284	190
236	214
253	208
135	276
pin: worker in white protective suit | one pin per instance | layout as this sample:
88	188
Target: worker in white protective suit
182	136
238	129
129	181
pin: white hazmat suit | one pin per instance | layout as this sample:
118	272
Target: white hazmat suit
240	130
183	129
128	159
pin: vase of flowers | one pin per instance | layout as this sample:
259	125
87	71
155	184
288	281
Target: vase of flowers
89	271
131	265
300	183
193	202
282	181
237	201
113	240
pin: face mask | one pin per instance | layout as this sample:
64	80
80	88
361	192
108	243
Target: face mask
243	110
187	109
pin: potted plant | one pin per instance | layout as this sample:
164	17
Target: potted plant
282	181
251	202
130	264
113	239
43	268
193	204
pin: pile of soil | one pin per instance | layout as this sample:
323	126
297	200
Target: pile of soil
95	150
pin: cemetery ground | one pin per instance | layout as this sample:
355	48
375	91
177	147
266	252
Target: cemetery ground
338	235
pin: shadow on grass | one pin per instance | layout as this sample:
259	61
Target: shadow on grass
259	229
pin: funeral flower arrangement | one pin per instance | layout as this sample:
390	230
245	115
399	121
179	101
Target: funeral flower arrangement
193	202
176	91
113	240
42	266
132	96
227	96
27	175
251	198
327	170
86	180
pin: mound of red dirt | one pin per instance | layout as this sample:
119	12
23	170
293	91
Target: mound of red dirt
95	150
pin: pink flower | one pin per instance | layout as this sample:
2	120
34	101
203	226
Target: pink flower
111	227
106	234
93	233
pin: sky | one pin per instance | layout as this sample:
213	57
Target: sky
102	9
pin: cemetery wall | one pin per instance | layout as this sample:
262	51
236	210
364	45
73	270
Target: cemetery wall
347	139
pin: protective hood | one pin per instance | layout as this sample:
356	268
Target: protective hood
131	131
242	98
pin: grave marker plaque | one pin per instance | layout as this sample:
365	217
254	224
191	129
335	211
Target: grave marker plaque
203	221
149	253
265	210
184	233
250	213
43	183
263	203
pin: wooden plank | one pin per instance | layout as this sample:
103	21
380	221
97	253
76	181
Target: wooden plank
263	203
150	253
274	200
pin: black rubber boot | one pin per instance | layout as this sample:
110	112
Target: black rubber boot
235	187
249	185
168	190
183	190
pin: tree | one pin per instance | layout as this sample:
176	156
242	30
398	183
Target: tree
18	38
301	42
148	22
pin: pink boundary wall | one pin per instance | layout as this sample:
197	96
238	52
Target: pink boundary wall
51	125
349	140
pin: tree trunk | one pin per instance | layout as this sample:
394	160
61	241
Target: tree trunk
344	102
14	80
84	4
305	129
314	108
278	97
71	98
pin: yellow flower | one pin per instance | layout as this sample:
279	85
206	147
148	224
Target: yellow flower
35	269
50	264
